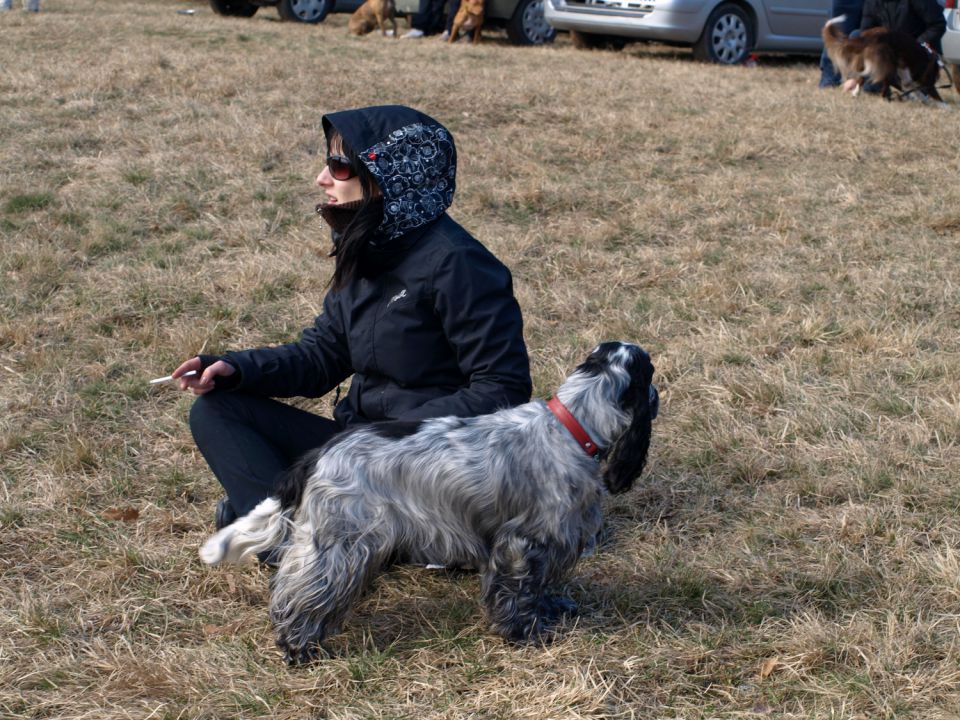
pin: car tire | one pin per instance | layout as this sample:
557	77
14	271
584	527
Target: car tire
727	37
595	41
234	8
305	11
528	26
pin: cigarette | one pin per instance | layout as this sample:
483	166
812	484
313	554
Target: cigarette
188	373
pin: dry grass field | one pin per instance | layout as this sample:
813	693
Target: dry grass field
788	255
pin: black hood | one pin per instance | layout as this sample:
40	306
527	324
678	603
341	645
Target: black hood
410	154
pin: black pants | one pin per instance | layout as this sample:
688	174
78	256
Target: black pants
430	20
248	440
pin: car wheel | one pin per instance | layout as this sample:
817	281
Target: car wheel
727	36
594	41
234	8
307	11
528	26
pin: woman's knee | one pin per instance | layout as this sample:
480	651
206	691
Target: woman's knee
208	412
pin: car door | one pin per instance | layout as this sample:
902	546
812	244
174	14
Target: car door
797	18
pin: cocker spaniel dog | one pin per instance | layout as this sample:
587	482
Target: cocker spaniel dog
516	494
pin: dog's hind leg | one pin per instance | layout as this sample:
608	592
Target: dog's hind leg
517	582
323	573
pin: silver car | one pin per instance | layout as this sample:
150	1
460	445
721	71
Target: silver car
951	41
306	11
718	30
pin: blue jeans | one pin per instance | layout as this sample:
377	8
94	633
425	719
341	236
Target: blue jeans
853	9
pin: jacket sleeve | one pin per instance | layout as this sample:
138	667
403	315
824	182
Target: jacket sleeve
935	25
310	367
473	297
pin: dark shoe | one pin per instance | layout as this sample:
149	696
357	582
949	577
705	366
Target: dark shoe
224	515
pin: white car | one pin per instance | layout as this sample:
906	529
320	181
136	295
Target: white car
718	30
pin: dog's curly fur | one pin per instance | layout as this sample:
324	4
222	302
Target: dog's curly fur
511	493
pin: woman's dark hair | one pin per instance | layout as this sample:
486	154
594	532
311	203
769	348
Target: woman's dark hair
349	245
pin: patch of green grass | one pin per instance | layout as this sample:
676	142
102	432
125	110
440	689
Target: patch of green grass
370	664
11	517
29	202
735	358
75	220
892	405
137	176
49	680
177	483
275	289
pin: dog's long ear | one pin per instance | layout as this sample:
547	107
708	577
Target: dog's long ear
629	453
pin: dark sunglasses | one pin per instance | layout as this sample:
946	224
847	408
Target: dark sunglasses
340	167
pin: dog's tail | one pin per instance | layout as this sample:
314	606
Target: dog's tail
263	528
834	28
835	42
833	34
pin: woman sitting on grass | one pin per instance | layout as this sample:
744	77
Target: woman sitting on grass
419	312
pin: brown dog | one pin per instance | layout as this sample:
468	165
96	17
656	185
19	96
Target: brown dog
373	14
886	57
469	17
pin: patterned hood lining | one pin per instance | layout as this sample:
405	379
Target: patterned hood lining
416	168
411	156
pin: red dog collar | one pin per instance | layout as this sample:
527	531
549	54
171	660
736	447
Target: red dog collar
571	424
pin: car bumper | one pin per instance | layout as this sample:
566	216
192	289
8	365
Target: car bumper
951	39
669	20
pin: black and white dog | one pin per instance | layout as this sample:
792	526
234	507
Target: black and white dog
516	494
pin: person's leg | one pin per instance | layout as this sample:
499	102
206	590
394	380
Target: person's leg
430	21
451	14
829	77
31	5
852	10
249	440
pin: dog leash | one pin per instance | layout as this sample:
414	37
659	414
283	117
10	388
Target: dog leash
943	66
575	428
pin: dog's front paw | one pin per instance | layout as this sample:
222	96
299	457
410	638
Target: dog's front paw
532	630
295	655
554	608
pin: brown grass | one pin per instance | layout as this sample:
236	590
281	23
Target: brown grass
788	256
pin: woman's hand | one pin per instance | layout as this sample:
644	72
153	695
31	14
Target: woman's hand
201	384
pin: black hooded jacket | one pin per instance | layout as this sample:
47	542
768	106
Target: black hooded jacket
921	19
436	329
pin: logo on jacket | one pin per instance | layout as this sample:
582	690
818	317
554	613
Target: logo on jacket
399	296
